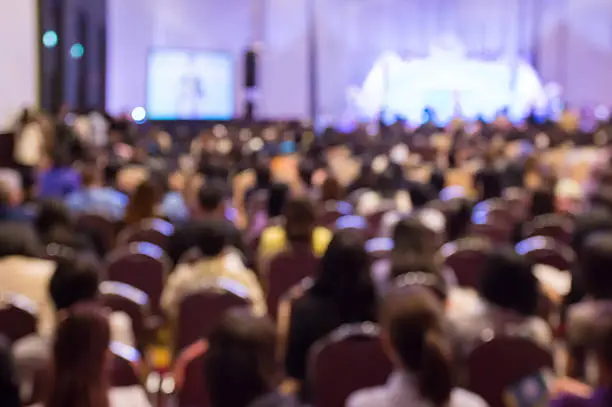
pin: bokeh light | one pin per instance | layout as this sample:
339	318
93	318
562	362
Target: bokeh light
50	39
139	114
77	51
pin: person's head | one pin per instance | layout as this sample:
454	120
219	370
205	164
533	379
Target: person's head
586	224
595	260
437	180
11	188
413	336
490	185
211	200
212	239
412	236
80	359
542	202
602	198
277	198
143	203
19	240
91	177
299	220
306	172
61	159
52	214
331	190
262	175
241	355
602	348
9	386
74	281
509	283
344	275
458	220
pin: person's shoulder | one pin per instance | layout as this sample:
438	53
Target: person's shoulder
464	398
130	396
374	397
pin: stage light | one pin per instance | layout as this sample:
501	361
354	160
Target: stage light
139	114
50	39
77	51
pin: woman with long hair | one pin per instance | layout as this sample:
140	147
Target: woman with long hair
342	293
143	203
414	338
80	370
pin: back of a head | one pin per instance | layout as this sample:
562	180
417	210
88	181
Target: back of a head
240	363
411	235
331	190
80	359
262	175
490	184
299	220
543	202
75	280
508	282
9	386
52	214
17	239
344	275
212	238
601	198
588	223
595	261
142	203
211	196
277	198
458	221
412	321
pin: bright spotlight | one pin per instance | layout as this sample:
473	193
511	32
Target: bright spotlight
50	39
139	114
77	50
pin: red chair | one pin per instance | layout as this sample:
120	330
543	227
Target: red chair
125	366
546	250
466	258
494	212
554	225
502	362
18	316
156	231
379	248
189	377
99	225
200	311
348	359
332	211
141	265
134	302
285	270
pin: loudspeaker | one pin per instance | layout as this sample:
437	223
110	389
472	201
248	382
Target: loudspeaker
250	69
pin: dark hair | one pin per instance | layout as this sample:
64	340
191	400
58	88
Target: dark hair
52	214
79	375
19	240
458	218
601	198
277	197
331	190
142	203
437	180
299	220
489	184
508	282
421	194
344	277
212	238
90	175
588	223
210	196
9	387
602	338
75	280
241	355
306	171
411	236
414	321
595	261
542	202
262	176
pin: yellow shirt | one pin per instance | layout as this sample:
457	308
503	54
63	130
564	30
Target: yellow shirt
274	240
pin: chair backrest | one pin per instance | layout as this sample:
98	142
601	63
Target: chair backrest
156	231
495	365
192	390
546	250
466	258
201	310
100	225
125	365
348	359
330	212
556	226
496	211
141	265
134	302
18	316
379	247
285	270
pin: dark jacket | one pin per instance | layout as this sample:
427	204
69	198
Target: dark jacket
275	400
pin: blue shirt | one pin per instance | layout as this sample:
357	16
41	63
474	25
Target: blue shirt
58	182
106	201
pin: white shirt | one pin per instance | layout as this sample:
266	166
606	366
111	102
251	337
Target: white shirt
131	396
29	145
400	390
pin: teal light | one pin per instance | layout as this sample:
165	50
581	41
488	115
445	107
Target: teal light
77	51
50	39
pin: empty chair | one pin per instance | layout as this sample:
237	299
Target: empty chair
141	265
352	353
546	250
134	302
18	316
466	258
285	270
201	310
156	231
512	359
556	226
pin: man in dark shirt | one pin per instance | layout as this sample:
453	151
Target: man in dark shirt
211	209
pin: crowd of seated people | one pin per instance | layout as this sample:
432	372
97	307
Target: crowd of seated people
140	271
